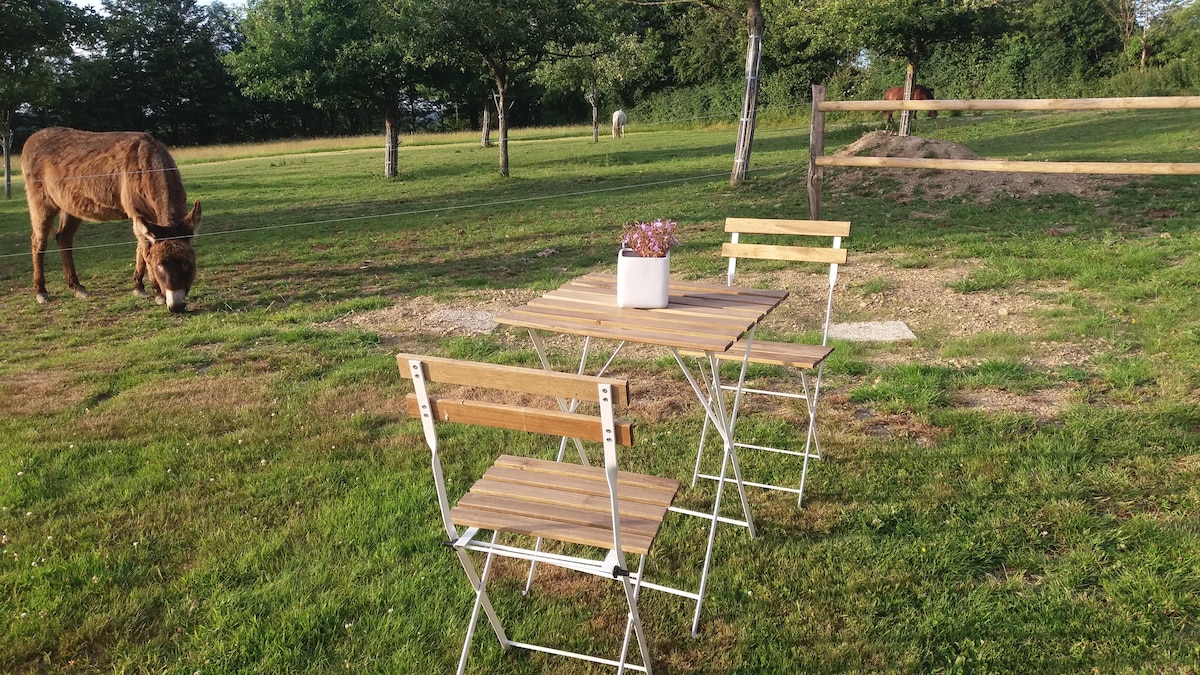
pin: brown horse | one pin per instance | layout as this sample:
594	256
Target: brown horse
111	176
919	93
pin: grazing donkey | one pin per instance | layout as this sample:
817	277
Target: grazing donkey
111	176
919	93
619	123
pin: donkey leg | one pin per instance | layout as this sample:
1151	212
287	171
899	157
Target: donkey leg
139	269
67	228
43	222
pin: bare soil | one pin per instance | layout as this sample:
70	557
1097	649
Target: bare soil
921	297
977	186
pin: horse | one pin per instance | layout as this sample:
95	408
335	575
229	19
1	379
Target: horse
919	93
619	120
108	176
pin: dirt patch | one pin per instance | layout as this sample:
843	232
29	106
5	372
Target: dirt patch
463	316
43	392
1045	405
976	186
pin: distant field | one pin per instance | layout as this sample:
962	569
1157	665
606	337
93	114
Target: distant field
238	490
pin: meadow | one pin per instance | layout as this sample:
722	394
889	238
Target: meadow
237	489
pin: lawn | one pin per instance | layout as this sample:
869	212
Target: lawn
238	490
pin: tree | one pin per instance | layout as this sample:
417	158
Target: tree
330	52
1135	18
597	70
33	33
507	41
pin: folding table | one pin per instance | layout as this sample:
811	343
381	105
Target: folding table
699	317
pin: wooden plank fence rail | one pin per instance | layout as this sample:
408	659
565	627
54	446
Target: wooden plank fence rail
1120	168
1138	103
817	159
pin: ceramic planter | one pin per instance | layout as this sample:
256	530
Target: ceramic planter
642	282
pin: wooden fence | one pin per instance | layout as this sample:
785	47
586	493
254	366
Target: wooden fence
817	159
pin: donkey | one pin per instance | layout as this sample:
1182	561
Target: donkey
111	176
619	120
919	93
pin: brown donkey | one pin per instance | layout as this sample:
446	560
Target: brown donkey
111	176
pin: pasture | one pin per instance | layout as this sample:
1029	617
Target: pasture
237	489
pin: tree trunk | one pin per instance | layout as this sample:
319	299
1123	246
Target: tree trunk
741	157
502	125
906	115
6	136
485	140
1145	30
594	100
392	141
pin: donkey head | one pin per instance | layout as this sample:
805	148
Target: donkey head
170	259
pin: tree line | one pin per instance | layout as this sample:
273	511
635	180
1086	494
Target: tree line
201	74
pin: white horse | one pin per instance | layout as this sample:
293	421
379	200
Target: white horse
619	120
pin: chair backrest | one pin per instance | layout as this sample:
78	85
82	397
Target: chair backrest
832	254
604	428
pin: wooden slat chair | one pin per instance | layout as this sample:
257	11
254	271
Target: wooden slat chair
807	359
615	511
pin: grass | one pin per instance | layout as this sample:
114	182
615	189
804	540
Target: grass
238	490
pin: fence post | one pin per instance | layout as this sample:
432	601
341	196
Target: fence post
816	148
906	115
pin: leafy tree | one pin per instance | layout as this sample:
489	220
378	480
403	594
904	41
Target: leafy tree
597	70
506	39
1135	19
33	33
332	53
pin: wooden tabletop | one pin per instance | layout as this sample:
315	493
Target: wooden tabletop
705	317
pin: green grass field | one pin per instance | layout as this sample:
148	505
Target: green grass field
238	490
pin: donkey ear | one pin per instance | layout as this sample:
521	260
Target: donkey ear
142	231
192	220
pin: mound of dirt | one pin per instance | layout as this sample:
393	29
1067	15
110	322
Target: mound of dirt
933	184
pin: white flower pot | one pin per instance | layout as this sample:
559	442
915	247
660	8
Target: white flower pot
642	282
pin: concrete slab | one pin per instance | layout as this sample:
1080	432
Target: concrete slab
872	331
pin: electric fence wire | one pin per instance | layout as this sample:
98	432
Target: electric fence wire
435	209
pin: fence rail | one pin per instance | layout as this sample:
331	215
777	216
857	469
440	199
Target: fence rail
817	159
1138	103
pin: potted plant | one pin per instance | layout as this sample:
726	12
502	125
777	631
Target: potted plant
644	263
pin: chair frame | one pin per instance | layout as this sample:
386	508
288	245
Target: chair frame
795	356
607	392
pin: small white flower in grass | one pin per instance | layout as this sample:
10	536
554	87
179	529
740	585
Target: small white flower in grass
20	473
390	610
24	614
349	624
263	462
135	544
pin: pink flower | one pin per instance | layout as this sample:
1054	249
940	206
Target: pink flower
649	240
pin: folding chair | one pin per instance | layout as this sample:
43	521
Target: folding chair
808	360
600	507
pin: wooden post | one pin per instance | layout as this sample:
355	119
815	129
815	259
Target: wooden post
906	115
485	140
816	148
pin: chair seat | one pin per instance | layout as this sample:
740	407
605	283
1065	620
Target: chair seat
775	353
567	502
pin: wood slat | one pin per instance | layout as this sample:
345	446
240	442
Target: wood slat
576	499
629	478
578	484
569	309
776	354
513	378
534	527
558	512
1099	168
789	253
814	228
560	325
501	416
1125	103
